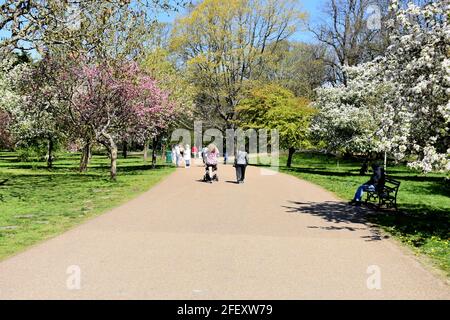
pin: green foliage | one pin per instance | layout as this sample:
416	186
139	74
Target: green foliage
159	65
223	44
296	66
32	152
273	107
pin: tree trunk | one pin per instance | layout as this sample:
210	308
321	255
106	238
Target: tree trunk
50	153
89	153
163	152
154	145
364	167
290	155
146	145
113	151
113	154
125	149
85	157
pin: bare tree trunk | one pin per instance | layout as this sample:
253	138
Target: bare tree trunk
113	151
290	156
146	145
50	153
85	156
125	149
163	152
154	145
113	160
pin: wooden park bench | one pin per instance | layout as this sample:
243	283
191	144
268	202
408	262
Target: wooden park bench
385	196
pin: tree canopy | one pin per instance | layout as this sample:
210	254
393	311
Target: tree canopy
273	107
226	43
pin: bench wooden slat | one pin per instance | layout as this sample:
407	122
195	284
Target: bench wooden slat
387	196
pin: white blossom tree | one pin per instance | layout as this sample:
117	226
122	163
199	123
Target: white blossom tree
399	102
416	115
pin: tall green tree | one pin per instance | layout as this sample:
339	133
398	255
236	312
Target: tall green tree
80	26
298	67
224	44
273	107
159	65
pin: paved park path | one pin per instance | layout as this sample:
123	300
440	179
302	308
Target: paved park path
274	237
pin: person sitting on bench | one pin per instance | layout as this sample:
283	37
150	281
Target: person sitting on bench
375	183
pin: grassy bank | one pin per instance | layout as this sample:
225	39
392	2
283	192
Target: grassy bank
36	204
424	201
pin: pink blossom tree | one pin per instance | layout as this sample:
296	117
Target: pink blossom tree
109	101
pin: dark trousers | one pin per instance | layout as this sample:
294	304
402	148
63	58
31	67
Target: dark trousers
240	172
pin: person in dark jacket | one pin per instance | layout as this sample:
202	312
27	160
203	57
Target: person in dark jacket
375	183
240	163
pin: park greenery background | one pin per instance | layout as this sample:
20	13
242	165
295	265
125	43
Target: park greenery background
91	91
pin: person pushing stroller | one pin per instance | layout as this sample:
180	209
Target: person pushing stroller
211	162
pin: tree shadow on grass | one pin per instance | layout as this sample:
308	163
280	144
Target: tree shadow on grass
416	223
342	215
320	170
93	168
438	186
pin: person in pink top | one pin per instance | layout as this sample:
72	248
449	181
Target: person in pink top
211	162
194	151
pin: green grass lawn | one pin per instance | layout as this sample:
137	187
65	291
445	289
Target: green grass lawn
424	201
36	204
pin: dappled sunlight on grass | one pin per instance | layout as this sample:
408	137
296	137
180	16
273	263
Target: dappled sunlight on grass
37	203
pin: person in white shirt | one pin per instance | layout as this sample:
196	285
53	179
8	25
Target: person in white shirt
187	156
177	155
174	155
204	154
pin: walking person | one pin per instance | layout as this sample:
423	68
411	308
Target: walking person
204	154
194	151
187	156
240	164
211	158
177	155
174	155
182	151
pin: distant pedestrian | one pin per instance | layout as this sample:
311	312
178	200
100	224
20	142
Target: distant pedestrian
187	156
177	155
240	163
212	154
174	155
204	154
225	157
194	151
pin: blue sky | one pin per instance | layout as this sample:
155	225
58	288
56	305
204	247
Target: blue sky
313	7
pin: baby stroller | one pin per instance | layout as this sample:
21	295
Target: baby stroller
210	175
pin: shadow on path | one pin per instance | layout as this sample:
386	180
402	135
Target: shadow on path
342	215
